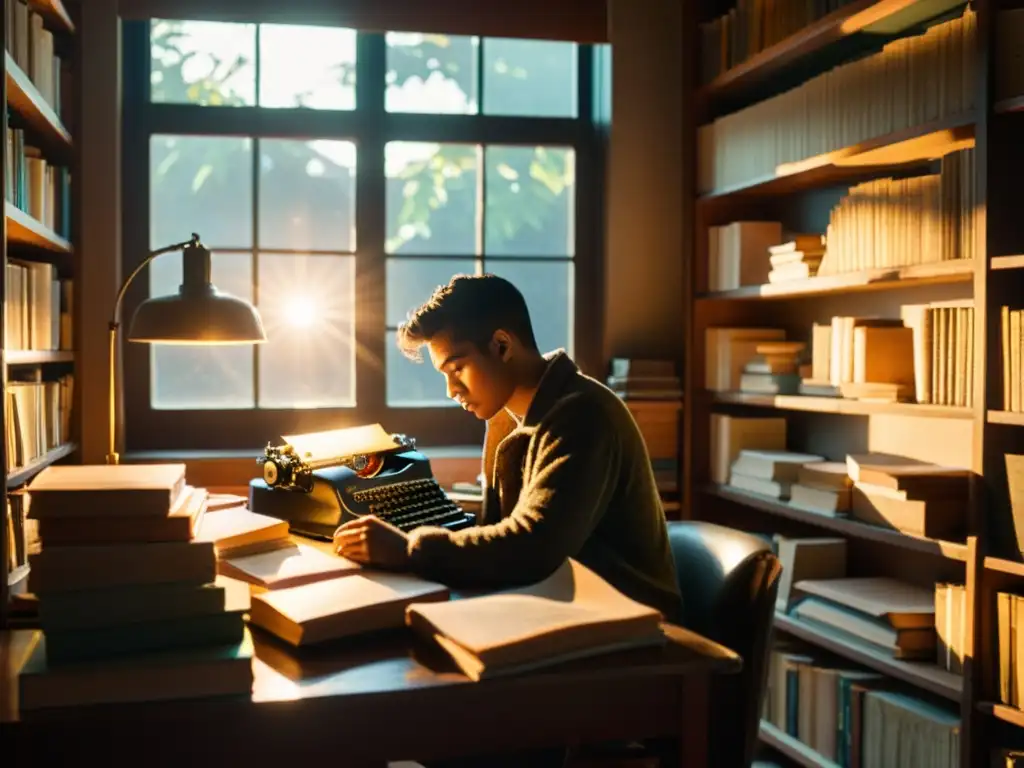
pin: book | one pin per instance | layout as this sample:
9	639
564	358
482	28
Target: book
289	566
180	524
899	604
909	643
221	670
776	466
99	490
62	611
140	638
807	558
571	614
236	531
59	569
220	501
901	473
336	608
732	434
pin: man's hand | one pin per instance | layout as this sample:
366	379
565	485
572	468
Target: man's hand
370	541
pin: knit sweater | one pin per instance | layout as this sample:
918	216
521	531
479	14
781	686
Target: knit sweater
574	479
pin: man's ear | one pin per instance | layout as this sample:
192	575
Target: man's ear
501	345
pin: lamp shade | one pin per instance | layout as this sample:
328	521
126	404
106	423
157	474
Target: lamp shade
214	318
198	313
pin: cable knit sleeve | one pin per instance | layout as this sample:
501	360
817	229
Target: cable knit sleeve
570	468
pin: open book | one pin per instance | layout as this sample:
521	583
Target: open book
571	614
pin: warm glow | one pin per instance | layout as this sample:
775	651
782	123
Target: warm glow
301	311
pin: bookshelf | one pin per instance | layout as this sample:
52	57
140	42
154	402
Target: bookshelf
813	109
39	265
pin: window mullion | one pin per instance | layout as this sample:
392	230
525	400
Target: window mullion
371	67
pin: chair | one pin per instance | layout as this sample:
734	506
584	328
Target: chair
729	580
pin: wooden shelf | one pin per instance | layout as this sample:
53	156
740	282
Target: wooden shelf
1004	566
22	229
38	356
1016	104
1007	262
874	157
842	525
957	271
839	405
22	475
1003	712
794	749
652	405
28	103
55	14
925	676
1012	418
884	17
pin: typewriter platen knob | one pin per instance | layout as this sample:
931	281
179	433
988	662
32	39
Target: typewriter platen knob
270	474
404	441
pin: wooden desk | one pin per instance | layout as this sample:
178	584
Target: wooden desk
384	697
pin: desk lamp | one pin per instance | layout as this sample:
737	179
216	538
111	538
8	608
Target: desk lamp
197	314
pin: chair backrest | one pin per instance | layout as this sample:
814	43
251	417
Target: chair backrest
729	580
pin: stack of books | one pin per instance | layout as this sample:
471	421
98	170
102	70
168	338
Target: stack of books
889	616
130	604
823	487
798	259
774	369
768	473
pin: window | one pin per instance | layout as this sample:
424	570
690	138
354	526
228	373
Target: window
279	216
339	177
523	231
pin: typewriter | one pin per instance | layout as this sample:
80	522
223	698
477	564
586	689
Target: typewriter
318	481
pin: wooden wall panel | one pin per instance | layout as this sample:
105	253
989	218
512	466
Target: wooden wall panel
584	21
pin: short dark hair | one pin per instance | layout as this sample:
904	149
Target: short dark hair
470	308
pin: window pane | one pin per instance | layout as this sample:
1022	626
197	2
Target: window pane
211	63
411	384
411	281
548	290
307	195
531	199
529	78
435	74
312	67
432	198
200	184
185	377
308	309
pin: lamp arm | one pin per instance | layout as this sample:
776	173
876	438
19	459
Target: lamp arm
142	265
112	456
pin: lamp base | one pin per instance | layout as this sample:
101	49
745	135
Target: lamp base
113	458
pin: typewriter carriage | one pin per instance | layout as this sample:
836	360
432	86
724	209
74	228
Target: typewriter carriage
285	469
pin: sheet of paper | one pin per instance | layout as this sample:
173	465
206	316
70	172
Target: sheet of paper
371	438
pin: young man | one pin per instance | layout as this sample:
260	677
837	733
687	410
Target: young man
566	470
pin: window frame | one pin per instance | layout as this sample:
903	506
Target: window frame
371	128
